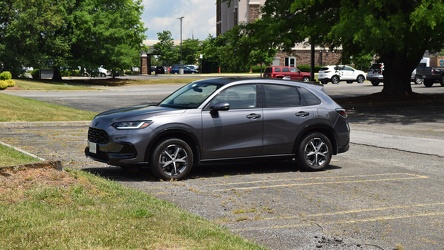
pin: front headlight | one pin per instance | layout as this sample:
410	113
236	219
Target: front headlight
131	124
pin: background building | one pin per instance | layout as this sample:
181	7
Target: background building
245	11
239	11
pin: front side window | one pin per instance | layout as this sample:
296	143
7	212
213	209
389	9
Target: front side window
239	97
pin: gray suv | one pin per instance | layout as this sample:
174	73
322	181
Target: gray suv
221	119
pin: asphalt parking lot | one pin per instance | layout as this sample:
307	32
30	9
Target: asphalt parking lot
385	193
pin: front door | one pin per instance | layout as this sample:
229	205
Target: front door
236	132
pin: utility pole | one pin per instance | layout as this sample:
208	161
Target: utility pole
181	62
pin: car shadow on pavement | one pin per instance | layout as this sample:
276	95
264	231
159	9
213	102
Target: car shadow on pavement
204	171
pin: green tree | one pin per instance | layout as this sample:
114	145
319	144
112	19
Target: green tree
107	33
237	50
190	51
167	53
44	33
399	31
31	33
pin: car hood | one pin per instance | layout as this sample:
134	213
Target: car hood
140	112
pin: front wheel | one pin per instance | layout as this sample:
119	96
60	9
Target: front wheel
360	79
314	152
419	80
172	159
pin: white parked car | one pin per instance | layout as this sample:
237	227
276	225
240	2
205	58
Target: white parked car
337	73
104	72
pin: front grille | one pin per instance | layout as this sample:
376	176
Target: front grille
98	136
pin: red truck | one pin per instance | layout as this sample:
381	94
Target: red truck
286	71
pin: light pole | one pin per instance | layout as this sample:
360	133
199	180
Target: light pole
181	63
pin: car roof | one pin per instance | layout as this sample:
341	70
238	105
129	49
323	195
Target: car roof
229	80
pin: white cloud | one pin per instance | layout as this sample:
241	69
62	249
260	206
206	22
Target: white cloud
199	18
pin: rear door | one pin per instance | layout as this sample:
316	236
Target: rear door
285	116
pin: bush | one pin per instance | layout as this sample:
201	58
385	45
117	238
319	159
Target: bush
3	84
10	82
5	75
306	68
35	74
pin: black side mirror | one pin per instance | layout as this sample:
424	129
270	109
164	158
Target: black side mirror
220	106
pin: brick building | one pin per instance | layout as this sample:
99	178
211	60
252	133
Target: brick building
230	15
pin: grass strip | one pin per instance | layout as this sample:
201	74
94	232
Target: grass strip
77	210
19	109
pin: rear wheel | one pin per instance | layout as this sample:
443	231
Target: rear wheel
306	79
428	83
375	83
314	152
172	159
335	79
360	79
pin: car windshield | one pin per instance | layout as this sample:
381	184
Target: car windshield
190	96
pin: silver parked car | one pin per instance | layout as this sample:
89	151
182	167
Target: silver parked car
220	119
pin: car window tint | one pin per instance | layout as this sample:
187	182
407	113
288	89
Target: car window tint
281	96
293	70
239	97
267	70
308	98
277	70
285	70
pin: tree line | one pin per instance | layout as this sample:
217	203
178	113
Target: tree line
70	33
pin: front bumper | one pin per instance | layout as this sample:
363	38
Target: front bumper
117	154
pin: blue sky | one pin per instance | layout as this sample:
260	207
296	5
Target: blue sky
199	18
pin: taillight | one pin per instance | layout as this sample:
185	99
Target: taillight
342	112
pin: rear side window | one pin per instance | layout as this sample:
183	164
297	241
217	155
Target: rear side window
308	98
281	96
285	70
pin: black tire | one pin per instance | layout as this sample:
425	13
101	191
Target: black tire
441	80
375	83
306	79
360	79
428	83
335	79
324	82
172	159
314	152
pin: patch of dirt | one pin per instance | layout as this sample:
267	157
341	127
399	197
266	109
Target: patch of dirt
15	181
